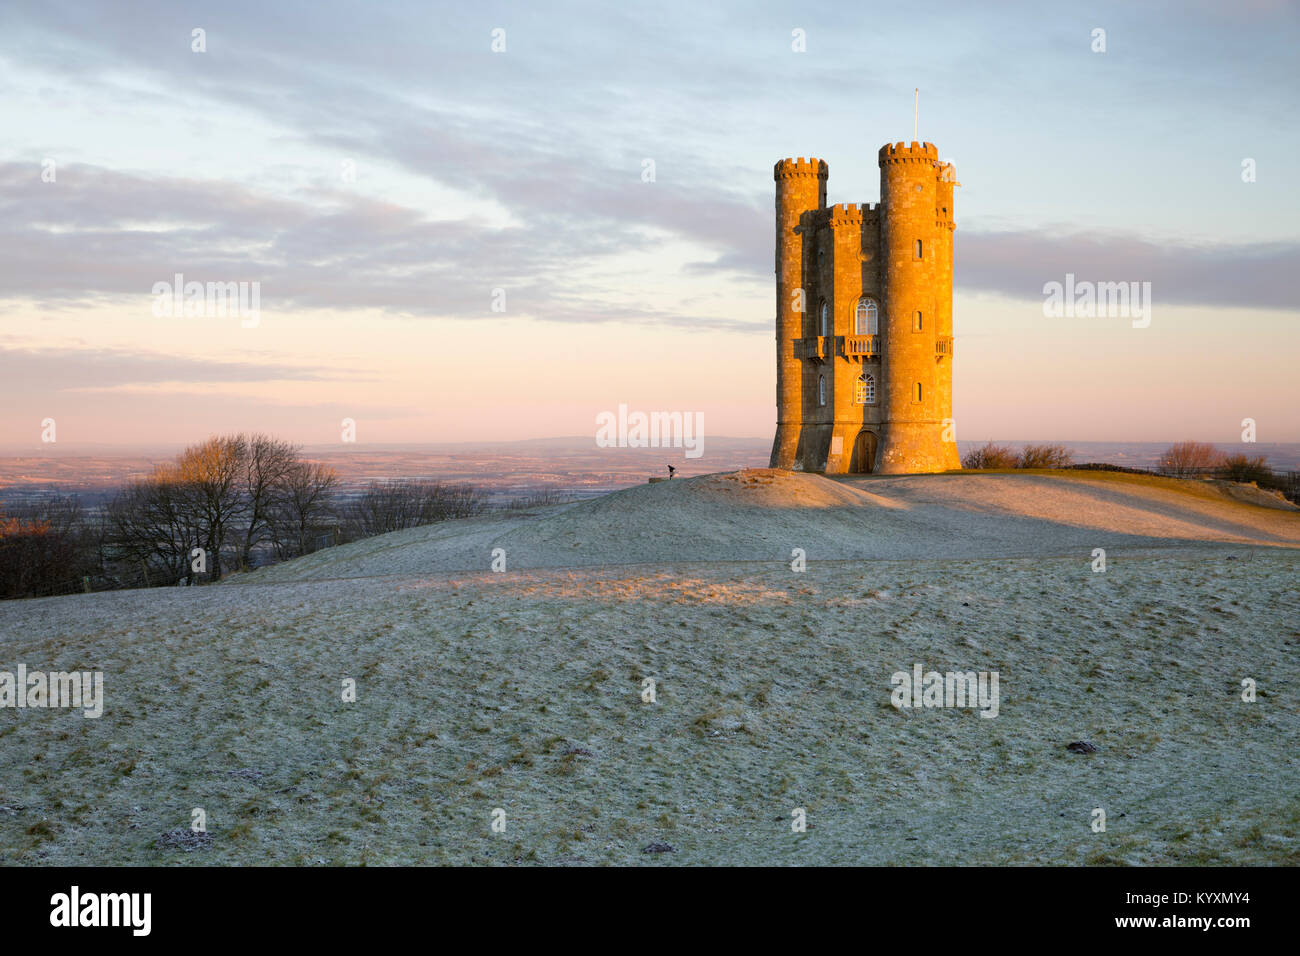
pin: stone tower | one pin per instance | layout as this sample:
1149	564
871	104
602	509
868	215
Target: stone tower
864	319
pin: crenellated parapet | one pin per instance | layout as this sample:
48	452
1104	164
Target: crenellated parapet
895	153
851	214
798	168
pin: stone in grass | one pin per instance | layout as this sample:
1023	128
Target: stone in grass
247	773
1081	747
185	839
660	848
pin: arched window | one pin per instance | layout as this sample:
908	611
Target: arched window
821	390
916	322
918	392
918	250
866	317
866	390
826	312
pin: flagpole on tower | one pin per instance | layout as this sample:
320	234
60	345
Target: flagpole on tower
916	110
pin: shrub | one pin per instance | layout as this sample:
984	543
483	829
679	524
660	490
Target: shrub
45	548
1045	456
538	499
1240	468
395	504
989	456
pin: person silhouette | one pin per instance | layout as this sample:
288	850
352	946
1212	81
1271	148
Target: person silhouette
671	471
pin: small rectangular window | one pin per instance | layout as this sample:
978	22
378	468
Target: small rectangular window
916	322
918	250
918	392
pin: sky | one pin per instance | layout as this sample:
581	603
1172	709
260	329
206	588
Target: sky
455	243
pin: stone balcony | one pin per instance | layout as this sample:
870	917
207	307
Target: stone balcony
859	347
819	348
942	346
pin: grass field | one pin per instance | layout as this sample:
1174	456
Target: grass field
523	691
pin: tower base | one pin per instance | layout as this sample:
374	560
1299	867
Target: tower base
912	448
785	447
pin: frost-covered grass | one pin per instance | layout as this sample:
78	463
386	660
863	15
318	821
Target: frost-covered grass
761	515
522	691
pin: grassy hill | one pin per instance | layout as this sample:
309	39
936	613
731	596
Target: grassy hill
522	690
761	515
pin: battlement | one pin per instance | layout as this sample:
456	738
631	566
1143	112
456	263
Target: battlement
796	168
850	213
894	153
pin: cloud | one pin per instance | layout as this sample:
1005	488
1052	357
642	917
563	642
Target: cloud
553	132
80	370
409	90
96	234
1017	264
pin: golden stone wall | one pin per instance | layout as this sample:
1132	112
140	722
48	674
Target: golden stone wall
800	188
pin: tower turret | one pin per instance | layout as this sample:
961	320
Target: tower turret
800	188
944	226
912	359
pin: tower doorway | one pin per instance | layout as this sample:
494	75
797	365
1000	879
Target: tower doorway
864	453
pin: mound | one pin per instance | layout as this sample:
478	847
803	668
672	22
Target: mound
763	515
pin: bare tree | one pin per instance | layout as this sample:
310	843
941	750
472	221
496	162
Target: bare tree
264	464
209	475
1190	458
222	495
150	529
231	496
301	503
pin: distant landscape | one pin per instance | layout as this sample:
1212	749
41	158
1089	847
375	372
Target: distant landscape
572	465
